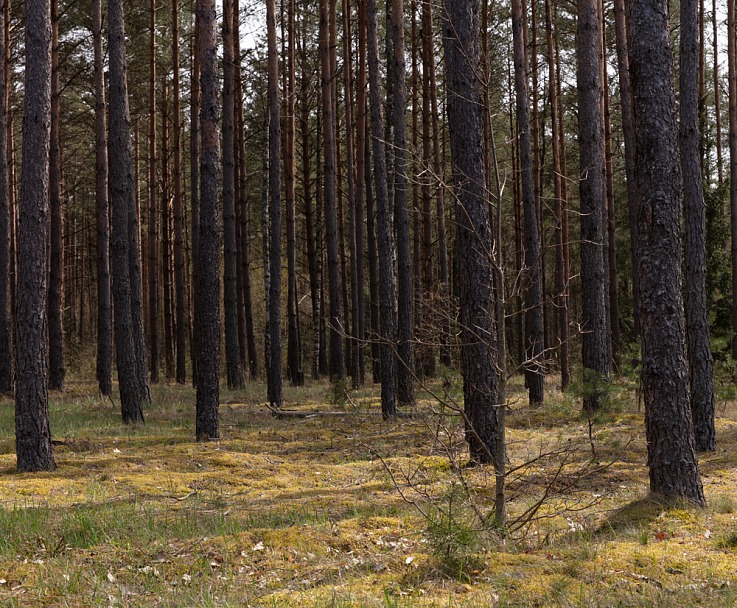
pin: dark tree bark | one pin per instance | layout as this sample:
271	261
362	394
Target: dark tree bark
275	364
473	231
208	364
153	237
674	471
56	258
337	367
561	286
405	280
373	264
233	364
32	432
166	249
294	342
120	169
594	322
252	354
717	94
104	305
385	231
701	364
180	296
534	331
6	319
732	61
194	167
625	96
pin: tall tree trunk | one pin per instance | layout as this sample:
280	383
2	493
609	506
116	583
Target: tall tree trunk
385	231
717	92
373	263
252	354
701	364
674	471
56	258
355	344
166	269
274	370
405	281
732	61
561	287
625	96
233	364
6	319
361	185
104	306
180	296
120	167
32	433
534	338
594	322
153	187
473	231
208	364
294	343
337	368
194	168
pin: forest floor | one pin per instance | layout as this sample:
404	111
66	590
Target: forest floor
349	510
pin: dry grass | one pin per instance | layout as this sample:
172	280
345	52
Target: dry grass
309	512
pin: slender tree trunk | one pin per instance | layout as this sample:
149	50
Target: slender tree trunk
561	288
153	237
595	335
717	92
6	318
208	364
534	338
473	231
120	167
625	96
32	433
732	61
104	306
361	185
674	471
294	342
252	354
166	274
56	259
194	167
405	280
179	280
355	344
337	368
373	264
274	373
701	364
385	231
230	280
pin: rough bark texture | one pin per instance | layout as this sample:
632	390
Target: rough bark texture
6	319
275	364
717	95
32	432
56	257
674	472
104	305
405	280
701	364
337	363
208	364
180	298
534	330
385	231
594	322
194	170
120	168
233	364
473	230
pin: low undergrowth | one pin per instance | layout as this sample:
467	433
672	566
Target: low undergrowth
349	510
